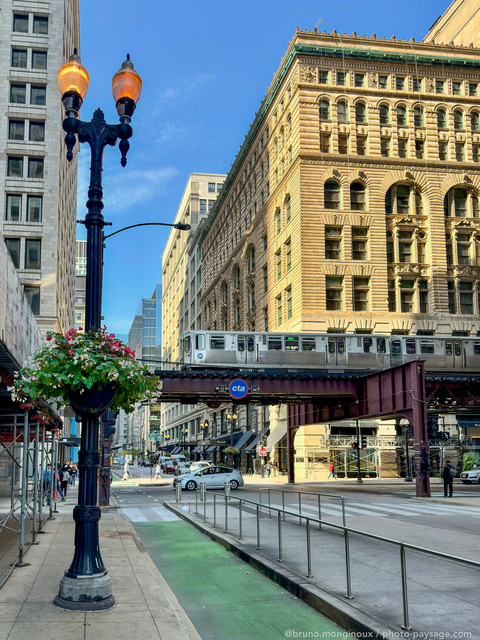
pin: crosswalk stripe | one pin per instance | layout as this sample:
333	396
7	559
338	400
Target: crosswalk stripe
451	508
134	515
331	510
165	514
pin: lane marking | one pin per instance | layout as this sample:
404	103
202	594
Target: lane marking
134	515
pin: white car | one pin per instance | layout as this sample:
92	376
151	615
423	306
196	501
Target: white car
213	477
200	464
467	477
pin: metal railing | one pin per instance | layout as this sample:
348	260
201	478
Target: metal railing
300	493
281	512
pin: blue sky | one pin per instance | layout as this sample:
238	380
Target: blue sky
205	69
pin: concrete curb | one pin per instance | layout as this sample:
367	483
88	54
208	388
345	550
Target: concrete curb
325	603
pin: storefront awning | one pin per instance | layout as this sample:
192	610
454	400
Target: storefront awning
210	449
243	440
253	444
468	421
276	435
176	450
70	442
198	449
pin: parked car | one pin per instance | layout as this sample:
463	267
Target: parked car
214	478
169	467
467	477
200	464
183	467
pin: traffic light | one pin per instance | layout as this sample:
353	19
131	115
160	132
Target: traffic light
108	430
363	441
354	445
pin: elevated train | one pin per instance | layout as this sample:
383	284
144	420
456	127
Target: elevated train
332	352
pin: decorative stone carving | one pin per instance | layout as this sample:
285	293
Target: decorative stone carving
430	85
372	81
386	133
308	74
403	133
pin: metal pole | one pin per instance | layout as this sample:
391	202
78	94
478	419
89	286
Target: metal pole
43	439
35	484
359	477
214	509
283	504
240	519
319	510
226	514
258	527
269	503
279	526
299	508
408	477
347	566
204	502
23	489
309	550
406	623
54	471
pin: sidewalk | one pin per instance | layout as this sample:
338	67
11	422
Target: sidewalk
145	605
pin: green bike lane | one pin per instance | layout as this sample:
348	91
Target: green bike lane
224	597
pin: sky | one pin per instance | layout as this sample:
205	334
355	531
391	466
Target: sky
205	69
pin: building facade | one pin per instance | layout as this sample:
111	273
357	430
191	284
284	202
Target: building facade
352	206
80	284
38	185
458	25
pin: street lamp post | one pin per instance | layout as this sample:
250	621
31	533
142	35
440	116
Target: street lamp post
406	427
86	585
184	435
231	420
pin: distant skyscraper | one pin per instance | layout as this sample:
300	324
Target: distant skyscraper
80	283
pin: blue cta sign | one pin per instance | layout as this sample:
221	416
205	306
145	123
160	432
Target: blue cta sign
238	388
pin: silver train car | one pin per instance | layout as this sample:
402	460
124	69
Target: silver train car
332	352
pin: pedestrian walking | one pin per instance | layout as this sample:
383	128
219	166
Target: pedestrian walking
157	472
47	483
73	476
448	474
332	472
268	469
65	477
57	484
126	470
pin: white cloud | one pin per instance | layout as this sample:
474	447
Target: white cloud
183	90
172	133
124	190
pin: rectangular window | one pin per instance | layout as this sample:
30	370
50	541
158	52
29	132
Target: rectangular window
361	145
265	243
288	255
15	167
40	25
289	315
383	82
211	187
217	342
406	301
476	152
392	297
343	143
308	344
463	248
323	76
265	279
466	297
39	59
390	252
203	206
38	95
452	307
278	257
37	131
18	93
341	78
460	151
361	287
13	247
439	86
333	243
14	207
402	148
423	296
34	208
417	84
473	89
359	243
19	58
333	292
325	142
33	297
33	250
35	168
385	147
443	150
405	246
211	204
265	318
400	83
359	79
20	23
457	88
419	149
16	130
277	341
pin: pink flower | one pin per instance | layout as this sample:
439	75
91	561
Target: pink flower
70	353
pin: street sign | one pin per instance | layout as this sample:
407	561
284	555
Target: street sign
263	452
238	389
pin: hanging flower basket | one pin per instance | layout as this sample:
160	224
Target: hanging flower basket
91	371
232	450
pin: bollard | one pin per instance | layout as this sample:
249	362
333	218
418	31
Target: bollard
227	490
178	492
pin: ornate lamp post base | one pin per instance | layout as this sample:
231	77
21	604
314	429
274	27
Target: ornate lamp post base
86	593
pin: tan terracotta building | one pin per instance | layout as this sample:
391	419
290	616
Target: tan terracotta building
458	25
352	205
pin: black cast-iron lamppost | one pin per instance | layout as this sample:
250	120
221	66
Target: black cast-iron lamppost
86	585
406	428
232	420
184	435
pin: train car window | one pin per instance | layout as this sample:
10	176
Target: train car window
458	349
292	343
448	349
200	341
187	344
331	345
217	342
381	345
308	344
396	347
411	347
274	344
341	346
241	343
367	345
426	346
250	343
476	348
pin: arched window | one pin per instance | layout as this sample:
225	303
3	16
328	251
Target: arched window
441	119
460	202
418	116
342	111
276	147
357	196
237	277
251	259
287	210
458	119
475	120
278	220
289	123
282	136
332	195
324	110
360	112
403	199
384	114
401	115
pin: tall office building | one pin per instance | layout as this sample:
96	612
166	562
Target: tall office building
37	184
80	284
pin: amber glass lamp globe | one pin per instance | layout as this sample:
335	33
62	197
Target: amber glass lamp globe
73	77
126	83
